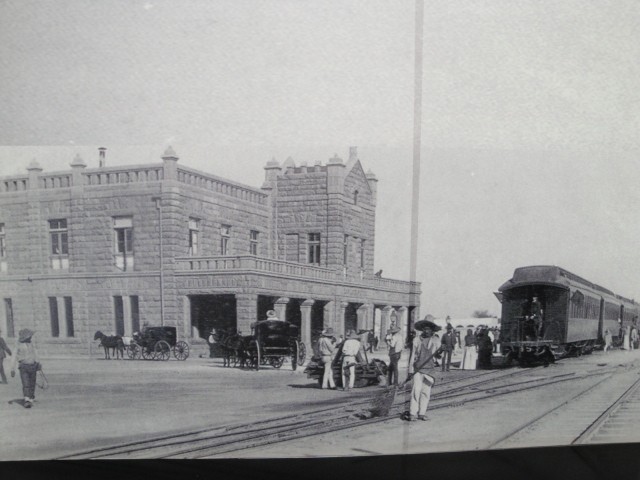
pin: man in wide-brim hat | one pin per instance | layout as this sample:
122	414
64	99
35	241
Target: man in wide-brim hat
272	315
327	348
350	349
396	344
26	358
422	324
425	348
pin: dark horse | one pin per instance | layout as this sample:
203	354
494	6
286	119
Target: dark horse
113	342
232	347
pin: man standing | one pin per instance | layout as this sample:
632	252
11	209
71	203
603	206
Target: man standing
448	343
426	347
395	351
4	351
350	349
327	348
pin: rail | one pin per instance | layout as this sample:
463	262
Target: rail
129	174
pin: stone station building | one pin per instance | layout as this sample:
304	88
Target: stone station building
113	248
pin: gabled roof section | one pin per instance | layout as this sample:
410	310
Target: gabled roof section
355	166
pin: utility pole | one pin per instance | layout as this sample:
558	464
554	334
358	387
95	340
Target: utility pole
417	136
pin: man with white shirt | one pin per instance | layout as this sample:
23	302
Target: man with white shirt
350	350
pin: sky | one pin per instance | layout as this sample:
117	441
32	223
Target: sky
530	125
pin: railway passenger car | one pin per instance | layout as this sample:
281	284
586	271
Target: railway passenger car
573	314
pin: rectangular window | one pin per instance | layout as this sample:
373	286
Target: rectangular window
314	248
8	310
59	243
118	309
135	313
53	314
123	242
3	246
253	242
3	250
361	253
225	233
345	250
194	228
68	311
59	237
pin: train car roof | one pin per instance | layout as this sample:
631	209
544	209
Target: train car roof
551	275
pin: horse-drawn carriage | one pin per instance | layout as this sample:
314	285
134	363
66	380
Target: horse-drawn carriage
156	343
273	341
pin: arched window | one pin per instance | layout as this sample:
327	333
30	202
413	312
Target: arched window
355	197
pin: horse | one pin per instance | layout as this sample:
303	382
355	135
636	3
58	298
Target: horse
232	347
113	342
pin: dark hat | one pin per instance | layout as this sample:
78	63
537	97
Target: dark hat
25	334
327	332
422	324
449	327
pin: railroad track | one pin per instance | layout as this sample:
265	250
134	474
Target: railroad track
617	423
217	441
571	414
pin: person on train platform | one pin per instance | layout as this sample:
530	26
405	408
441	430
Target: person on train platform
421	363
327	349
485	350
470	352
350	350
608	340
395	343
626	339
633	337
448	343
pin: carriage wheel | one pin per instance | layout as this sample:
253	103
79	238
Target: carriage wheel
134	351
162	351
276	362
148	353
302	353
181	350
294	356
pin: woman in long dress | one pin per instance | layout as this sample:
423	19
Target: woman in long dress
470	355
626	338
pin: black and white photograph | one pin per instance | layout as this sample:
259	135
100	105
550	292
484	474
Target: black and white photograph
285	229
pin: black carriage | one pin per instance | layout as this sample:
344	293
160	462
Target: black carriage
272	342
368	372
157	343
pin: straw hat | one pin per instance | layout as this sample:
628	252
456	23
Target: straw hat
25	334
327	332
394	329
271	314
422	324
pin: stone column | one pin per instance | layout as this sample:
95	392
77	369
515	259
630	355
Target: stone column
305	330
246	311
281	308
362	318
329	316
339	325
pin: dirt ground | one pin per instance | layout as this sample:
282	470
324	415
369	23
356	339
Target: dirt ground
95	402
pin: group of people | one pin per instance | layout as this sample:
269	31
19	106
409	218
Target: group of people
328	346
628	337
25	358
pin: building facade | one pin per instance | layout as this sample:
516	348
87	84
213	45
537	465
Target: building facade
114	248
